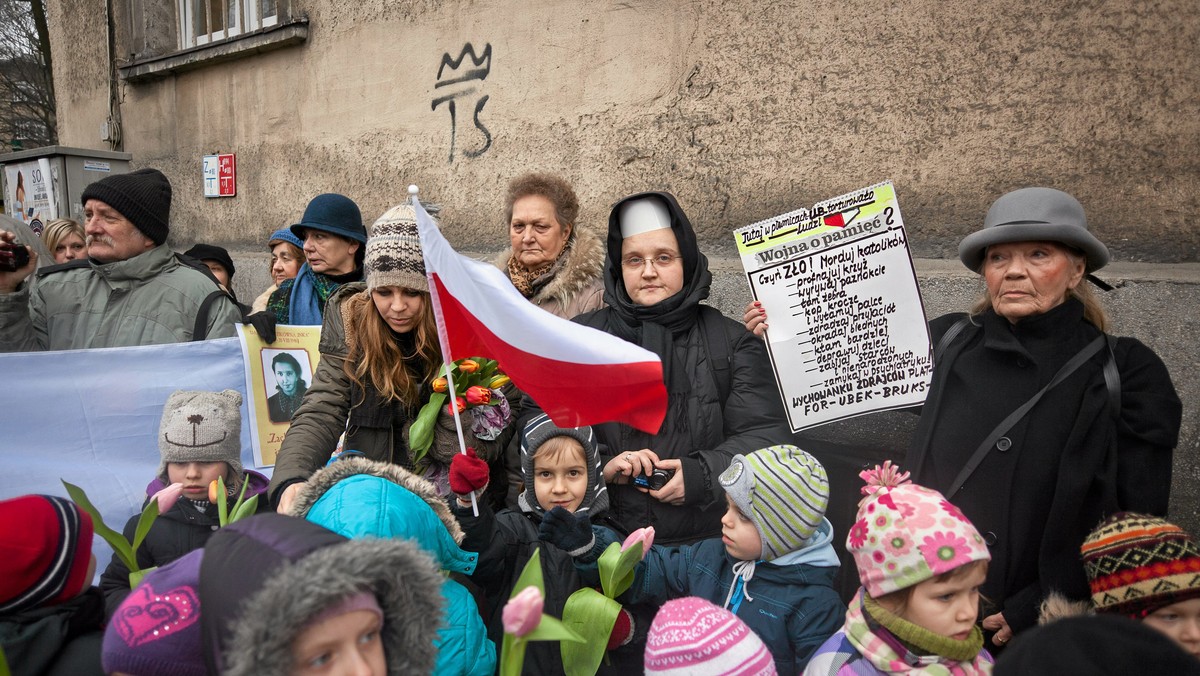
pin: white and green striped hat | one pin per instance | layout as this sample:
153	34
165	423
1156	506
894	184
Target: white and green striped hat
784	491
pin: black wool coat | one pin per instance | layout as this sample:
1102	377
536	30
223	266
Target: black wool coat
1070	462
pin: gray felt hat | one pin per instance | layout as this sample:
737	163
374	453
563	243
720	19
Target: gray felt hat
1034	215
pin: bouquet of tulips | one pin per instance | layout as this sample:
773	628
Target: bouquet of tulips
477	383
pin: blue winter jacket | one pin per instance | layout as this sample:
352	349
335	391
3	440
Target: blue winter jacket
351	498
789	602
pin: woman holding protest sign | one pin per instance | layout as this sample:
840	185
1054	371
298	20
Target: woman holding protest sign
379	357
721	400
1039	423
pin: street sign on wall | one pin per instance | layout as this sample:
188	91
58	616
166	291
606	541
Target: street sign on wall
220	175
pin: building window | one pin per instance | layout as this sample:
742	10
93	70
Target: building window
205	21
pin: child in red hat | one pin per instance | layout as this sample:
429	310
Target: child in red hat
51	618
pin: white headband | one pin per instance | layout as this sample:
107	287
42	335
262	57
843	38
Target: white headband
645	214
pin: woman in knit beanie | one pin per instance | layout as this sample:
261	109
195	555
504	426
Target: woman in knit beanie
1147	569
379	356
921	563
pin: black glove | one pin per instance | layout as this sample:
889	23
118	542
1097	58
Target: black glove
569	532
264	325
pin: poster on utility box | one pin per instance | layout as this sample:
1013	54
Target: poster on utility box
847	333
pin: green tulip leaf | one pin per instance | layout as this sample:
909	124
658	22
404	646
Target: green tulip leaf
245	509
550	628
512	655
531	575
238	503
617	568
222	505
115	540
591	615
420	433
149	514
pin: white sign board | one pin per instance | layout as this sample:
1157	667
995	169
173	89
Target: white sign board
847	333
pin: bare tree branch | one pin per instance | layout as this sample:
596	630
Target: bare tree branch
27	108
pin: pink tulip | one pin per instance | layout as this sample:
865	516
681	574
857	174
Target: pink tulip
523	612
166	497
642	535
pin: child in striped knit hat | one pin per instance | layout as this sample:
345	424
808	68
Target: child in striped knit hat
773	566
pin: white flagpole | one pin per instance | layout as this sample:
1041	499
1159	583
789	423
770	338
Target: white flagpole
444	342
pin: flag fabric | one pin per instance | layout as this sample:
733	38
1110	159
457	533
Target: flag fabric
92	417
578	375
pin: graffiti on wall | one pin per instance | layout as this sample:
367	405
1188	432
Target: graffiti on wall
464	76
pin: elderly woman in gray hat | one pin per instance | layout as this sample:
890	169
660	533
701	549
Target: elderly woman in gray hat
1039	423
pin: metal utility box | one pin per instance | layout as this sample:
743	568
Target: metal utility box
45	183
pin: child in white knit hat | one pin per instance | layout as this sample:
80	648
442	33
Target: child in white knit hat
773	566
921	563
199	441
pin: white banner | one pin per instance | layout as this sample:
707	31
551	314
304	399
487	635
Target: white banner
91	417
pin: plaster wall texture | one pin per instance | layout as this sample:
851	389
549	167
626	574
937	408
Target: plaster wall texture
743	110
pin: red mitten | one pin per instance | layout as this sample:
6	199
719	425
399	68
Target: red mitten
622	631
468	473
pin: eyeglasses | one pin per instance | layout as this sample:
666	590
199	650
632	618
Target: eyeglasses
662	260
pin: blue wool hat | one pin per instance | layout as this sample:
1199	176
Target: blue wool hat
284	235
333	213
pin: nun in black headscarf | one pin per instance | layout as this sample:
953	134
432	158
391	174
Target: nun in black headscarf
721	398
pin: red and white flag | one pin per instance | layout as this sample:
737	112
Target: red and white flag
578	375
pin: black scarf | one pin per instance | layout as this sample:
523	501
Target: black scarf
657	327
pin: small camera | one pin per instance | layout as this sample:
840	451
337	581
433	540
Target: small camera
17	258
656	480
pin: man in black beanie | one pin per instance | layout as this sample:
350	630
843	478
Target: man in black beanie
131	290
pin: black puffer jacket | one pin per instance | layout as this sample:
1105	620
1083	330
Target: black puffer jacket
704	426
61	639
182	529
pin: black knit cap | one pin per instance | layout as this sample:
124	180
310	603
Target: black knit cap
142	196
211	252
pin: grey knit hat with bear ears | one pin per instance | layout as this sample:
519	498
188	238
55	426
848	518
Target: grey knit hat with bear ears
202	427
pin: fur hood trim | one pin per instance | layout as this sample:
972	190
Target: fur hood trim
403	578
322	480
584	261
1058	607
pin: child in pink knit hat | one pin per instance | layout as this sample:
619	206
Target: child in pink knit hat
691	636
921	563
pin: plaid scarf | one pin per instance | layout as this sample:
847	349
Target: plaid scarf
872	634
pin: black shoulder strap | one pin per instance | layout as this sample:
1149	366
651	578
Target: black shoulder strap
1112	378
200	330
980	453
716	345
949	336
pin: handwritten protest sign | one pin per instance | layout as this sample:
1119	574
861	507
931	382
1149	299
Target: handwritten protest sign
847	329
277	376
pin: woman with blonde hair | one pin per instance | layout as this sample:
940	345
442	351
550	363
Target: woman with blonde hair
379	355
66	240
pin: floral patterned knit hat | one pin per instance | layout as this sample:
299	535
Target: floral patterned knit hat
906	534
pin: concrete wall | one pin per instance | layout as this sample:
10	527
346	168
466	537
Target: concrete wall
744	110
